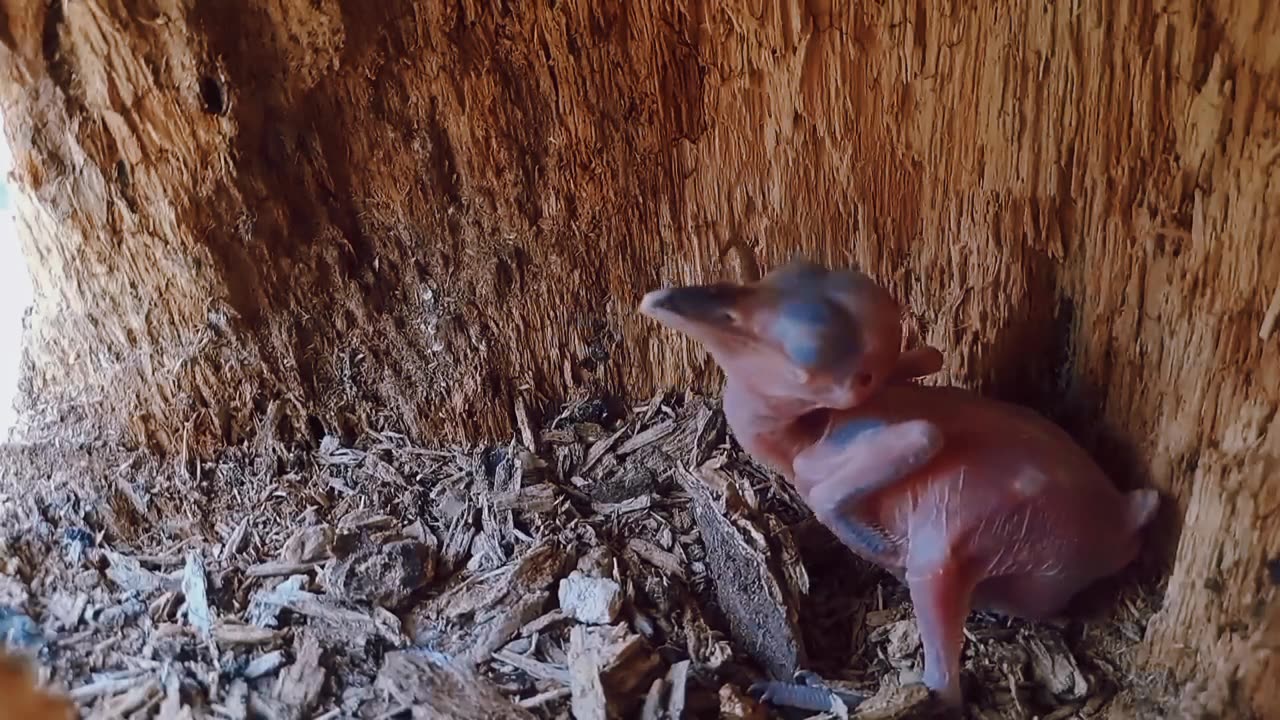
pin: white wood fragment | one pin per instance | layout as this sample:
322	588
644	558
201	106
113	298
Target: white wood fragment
195	590
678	677
588	599
264	665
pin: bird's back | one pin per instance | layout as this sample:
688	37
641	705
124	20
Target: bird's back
1010	493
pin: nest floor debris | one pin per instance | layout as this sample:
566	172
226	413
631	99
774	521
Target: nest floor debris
642	567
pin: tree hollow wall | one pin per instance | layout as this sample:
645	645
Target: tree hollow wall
303	217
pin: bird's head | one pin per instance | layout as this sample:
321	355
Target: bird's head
827	337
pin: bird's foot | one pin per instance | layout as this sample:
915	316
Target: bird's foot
808	692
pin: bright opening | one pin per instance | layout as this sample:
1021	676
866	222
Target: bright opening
15	295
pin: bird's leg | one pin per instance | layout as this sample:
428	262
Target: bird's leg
941	596
808	692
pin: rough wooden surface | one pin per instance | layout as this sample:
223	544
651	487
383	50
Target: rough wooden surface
290	216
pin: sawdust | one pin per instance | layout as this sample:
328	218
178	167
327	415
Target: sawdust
642	568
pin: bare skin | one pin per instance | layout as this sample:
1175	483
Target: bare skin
971	502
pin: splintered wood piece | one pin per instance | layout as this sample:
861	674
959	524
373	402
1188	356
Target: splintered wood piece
669	563
647	437
533	668
478	613
230	633
738	705
1055	667
678	678
127	703
327	615
525	423
760	612
264	665
896	702
280	568
429	687
299	685
608	665
365	519
235	540
128	573
196	591
308	545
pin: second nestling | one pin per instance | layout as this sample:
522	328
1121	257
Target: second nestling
971	502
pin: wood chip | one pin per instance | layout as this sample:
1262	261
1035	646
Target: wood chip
543	622
107	686
196	591
647	437
146	692
264	665
235	706
895	702
429	687
738	705
477	614
541	498
129	574
308	545
669	563
235	541
760	612
559	437
298	686
172	707
678	677
382	574
265	606
591	600
607	667
533	668
599	449
365	519
280	568
635	504
525	423
1054	666
227	633
545	698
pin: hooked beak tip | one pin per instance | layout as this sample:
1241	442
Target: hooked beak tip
651	301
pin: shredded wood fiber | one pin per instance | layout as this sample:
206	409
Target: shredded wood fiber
642	568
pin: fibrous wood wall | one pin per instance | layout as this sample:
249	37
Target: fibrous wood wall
298	216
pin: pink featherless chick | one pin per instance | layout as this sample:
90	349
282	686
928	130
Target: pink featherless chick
971	502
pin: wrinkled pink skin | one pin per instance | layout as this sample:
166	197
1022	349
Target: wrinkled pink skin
971	502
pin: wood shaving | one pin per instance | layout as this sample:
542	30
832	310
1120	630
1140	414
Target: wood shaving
637	568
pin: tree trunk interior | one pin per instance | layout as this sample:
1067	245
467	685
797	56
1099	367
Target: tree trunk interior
301	217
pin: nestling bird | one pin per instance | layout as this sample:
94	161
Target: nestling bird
971	502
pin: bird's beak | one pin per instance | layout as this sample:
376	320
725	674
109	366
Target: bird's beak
696	310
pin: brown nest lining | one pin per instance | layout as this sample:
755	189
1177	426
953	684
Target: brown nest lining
638	568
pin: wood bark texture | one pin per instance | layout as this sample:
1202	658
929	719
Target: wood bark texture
306	215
